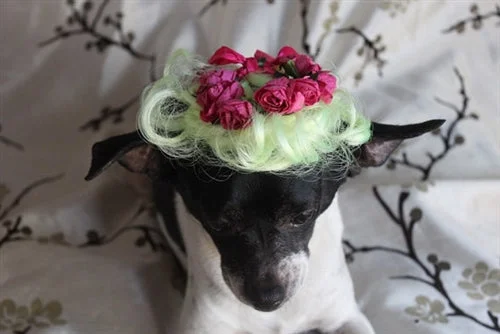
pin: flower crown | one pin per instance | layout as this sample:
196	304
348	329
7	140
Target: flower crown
283	85
282	114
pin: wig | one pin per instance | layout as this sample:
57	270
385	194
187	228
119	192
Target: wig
277	115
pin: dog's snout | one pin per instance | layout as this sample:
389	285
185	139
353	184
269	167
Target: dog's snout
266	294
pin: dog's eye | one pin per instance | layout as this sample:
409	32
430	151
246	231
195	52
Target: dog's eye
229	223
302	218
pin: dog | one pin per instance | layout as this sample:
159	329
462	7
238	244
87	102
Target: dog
263	252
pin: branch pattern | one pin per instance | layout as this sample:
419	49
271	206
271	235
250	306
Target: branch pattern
213	3
148	236
371	49
393	7
433	267
9	142
14	230
449	138
476	20
327	26
80	22
113	113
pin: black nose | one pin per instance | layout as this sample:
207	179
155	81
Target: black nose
265	295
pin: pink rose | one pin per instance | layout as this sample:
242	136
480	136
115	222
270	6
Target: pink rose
308	88
263	57
278	96
327	85
285	54
288	52
211	97
305	65
235	114
225	55
250	65
216	77
265	62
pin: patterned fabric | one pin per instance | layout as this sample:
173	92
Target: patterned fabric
422	233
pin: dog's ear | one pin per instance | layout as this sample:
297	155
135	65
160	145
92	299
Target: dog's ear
386	138
129	150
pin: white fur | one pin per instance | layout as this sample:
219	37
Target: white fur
325	300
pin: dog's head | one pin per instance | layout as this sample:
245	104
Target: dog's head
260	223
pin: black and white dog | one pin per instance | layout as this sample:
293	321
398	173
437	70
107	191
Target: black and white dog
263	252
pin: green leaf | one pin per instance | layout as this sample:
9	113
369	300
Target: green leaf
36	307
422	186
415	311
444	265
442	319
416	214
422	300
430	319
247	89
466	285
437	306
494	306
432	258
475	295
327	24
290	69
481	267
258	80
53	310
7	308
491	289
467	272
494	275
478	278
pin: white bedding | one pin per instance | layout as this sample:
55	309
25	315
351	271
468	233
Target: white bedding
89	257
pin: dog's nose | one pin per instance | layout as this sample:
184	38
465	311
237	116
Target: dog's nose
266	295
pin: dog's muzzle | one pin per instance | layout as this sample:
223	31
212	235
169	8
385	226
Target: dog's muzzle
265	295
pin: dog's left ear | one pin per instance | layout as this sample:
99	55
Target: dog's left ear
386	138
129	150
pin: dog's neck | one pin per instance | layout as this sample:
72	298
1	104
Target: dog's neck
203	258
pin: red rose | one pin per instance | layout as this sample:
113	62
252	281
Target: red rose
263	57
303	63
209	98
327	85
278	96
308	88
287	52
216	77
306	66
225	55
264	61
250	65
235	114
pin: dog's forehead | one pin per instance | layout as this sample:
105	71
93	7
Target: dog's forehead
241	189
260	186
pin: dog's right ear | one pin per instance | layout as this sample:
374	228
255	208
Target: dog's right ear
129	150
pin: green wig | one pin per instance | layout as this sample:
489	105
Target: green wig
321	133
